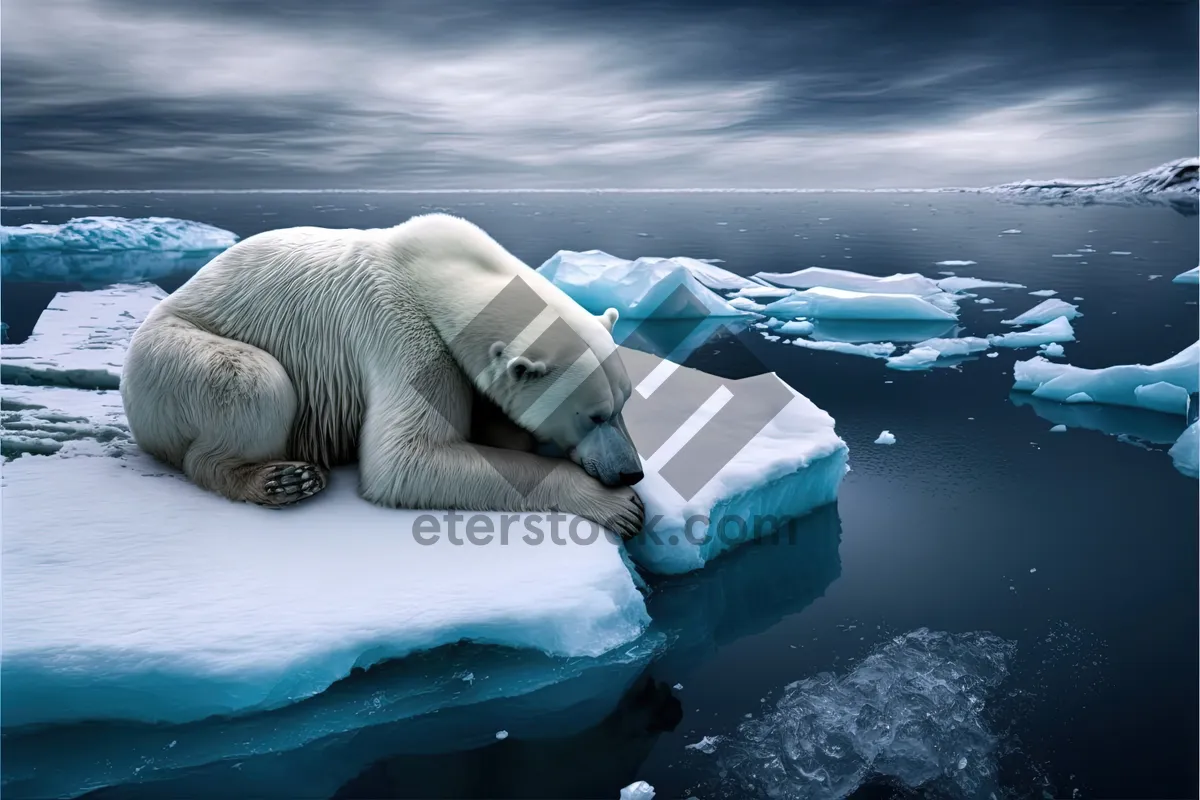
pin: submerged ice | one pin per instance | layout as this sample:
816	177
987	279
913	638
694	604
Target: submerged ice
912	711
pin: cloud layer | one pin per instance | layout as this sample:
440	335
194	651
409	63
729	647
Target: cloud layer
359	93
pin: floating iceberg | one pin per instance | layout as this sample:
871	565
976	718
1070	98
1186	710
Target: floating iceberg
1116	385
1057	330
795	327
819	277
924	355
958	284
869	350
912	711
658	288
768	457
886	437
105	250
1053	349
1191	276
1046	311
80	339
1185	453
638	790
829	303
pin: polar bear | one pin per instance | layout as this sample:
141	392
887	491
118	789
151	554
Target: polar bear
426	352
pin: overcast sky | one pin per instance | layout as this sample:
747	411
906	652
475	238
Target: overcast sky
542	94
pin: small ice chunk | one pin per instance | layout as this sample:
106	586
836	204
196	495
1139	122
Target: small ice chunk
1011	231
925	354
1116	385
869	349
1155	277
964	284
826	303
954	263
993	355
1058	330
640	790
1044	312
985	301
502	735
763	292
706	745
1053	349
795	327
643	289
1120	253
814	277
677	687
1067	255
1185	453
1191	276
886	437
1044	293
1057	429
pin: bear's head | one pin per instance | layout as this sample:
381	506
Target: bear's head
565	383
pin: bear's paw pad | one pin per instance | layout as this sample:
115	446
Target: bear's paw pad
287	482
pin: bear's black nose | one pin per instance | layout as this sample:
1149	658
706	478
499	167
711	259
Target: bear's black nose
630	478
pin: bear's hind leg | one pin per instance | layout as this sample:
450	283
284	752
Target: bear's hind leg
220	409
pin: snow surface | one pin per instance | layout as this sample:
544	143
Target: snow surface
105	250
642	289
1043	312
80	339
1057	330
1185	453
793	464
832	303
1116	385
1191	276
924	355
913	710
813	277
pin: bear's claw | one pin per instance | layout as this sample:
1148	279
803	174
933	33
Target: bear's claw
286	484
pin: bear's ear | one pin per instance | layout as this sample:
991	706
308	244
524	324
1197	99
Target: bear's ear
608	318
521	367
496	349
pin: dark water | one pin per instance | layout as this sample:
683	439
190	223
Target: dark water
1079	547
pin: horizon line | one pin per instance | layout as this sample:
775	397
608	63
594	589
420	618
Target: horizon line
596	190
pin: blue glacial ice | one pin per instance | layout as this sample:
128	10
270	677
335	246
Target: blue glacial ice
831	303
1057	330
638	790
1162	387
1185	453
731	463
98	251
648	288
1043	312
913	711
1191	276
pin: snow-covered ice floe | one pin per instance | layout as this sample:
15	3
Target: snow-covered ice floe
1163	387
104	250
1191	276
958	284
731	463
138	596
868	349
638	790
829	303
80	339
648	288
924	355
913	711
1045	311
814	277
1057	330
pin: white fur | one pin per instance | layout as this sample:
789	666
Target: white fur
309	345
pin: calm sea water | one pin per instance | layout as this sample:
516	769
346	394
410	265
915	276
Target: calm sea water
1079	547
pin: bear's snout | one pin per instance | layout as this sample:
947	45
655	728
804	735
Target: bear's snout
630	478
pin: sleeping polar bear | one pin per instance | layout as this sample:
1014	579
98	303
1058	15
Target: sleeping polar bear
426	352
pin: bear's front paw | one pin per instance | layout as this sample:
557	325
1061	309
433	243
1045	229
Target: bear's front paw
620	510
